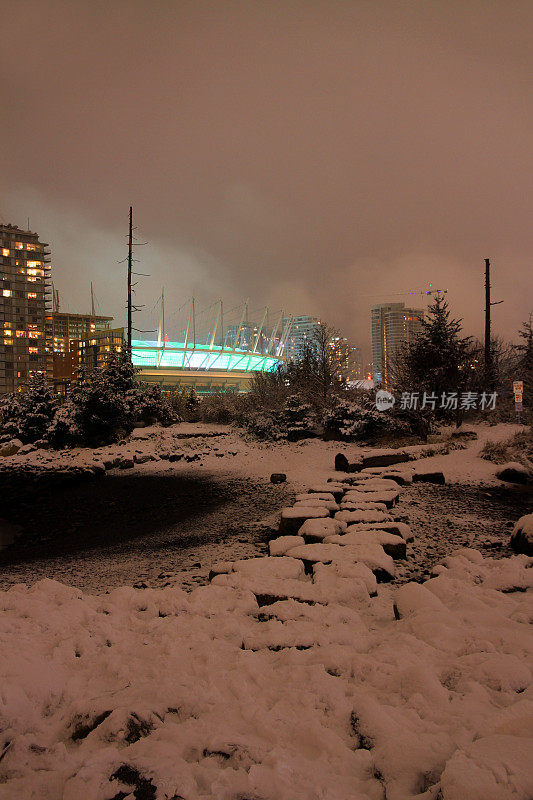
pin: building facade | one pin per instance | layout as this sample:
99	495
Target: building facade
392	326
25	278
62	328
301	336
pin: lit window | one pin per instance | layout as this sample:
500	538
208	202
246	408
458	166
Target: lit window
7	293
35	272
19	246
32	295
8	341
30	247
5	251
31	280
34	263
8	332
21	334
34	334
33	349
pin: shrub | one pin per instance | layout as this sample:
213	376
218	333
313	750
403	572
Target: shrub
27	415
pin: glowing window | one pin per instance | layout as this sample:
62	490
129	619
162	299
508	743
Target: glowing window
7	293
32	280
30	247
8	341
19	246
34	263
34	334
33	349
21	334
36	272
32	295
5	251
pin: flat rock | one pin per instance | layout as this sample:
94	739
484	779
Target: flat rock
429	477
279	546
315	530
394	546
369	553
292	519
385	458
351	517
336	489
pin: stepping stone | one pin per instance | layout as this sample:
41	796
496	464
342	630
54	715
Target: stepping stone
261	567
369	553
377	496
273	590
373	484
349	505
336	489
398	528
315	530
351	517
394	546
342	464
279	546
310	501
321	495
292	519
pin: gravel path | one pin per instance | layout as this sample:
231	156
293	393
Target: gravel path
444	518
140	528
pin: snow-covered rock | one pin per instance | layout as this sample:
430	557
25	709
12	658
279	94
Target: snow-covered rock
318	529
292	519
514	472
366	516
393	545
279	546
369	553
522	535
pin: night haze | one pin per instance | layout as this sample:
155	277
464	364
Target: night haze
318	156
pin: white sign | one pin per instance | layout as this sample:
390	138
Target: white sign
384	400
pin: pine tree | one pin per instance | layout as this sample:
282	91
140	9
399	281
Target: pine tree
440	359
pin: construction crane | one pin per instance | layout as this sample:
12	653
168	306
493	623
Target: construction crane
416	293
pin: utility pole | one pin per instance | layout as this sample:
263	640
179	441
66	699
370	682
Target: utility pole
130	260
489	366
488	353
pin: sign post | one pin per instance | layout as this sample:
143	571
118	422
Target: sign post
518	389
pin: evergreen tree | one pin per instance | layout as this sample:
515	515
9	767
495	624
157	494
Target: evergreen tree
524	362
26	415
439	360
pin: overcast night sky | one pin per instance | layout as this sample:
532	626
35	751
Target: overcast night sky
313	155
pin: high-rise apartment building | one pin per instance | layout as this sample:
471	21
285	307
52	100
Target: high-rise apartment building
301	337
25	272
392	326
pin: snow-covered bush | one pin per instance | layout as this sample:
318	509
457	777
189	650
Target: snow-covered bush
150	405
263	425
299	420
348	421
27	415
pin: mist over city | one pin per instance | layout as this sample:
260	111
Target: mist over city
266	381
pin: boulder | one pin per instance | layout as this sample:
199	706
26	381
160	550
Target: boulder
429	477
278	477
513	472
279	546
522	535
343	465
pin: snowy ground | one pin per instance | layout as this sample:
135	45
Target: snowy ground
277	681
168	522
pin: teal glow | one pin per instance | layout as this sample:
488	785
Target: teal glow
174	355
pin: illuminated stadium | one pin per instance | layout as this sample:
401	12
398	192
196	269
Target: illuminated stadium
217	353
